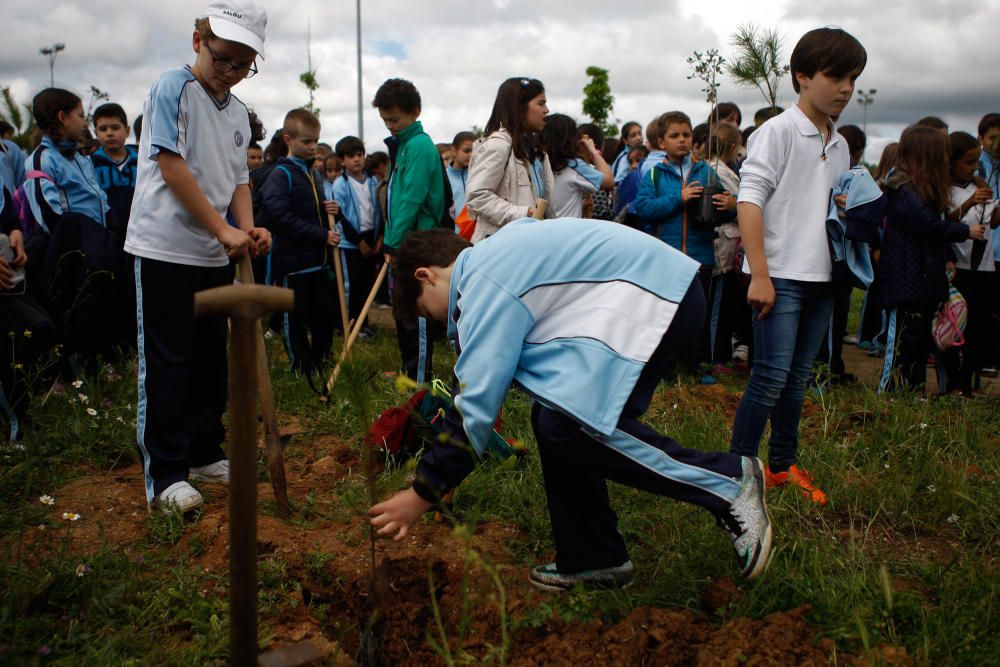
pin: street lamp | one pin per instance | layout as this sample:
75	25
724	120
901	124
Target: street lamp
50	52
866	99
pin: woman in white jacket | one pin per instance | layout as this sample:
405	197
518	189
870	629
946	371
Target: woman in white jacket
508	171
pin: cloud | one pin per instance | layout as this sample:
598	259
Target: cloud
923	60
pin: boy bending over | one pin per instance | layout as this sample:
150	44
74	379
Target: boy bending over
587	318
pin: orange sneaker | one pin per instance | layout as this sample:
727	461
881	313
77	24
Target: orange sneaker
800	478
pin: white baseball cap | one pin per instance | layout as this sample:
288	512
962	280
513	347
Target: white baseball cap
240	21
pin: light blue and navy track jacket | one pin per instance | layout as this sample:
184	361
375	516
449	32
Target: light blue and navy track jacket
350	222
570	310
75	188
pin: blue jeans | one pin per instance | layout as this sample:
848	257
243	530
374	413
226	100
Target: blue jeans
785	344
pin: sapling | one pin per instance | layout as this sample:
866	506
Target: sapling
707	66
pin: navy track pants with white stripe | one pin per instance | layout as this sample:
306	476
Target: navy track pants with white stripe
182	371
576	466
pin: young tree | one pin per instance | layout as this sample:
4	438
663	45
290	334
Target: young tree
706	67
96	95
598	102
757	63
19	117
308	78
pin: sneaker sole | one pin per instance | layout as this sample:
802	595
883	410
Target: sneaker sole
587	585
765	545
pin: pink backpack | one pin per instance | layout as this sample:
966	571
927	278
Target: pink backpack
949	323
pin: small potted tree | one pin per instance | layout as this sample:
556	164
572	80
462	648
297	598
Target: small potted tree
707	66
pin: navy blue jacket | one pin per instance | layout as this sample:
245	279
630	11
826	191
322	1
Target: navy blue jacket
914	250
293	206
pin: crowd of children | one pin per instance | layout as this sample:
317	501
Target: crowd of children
734	268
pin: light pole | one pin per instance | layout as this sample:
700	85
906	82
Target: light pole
866	99
50	52
361	107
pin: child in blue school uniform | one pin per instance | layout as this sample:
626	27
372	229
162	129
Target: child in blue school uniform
360	225
115	163
662	202
76	266
587	318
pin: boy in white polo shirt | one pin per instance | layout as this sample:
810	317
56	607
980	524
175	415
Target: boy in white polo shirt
192	170
793	162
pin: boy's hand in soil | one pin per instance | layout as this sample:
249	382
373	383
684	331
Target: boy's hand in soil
691	191
394	517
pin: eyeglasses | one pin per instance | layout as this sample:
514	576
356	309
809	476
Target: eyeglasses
223	66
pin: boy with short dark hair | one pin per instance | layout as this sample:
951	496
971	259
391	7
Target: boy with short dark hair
512	305
793	162
115	163
301	258
360	223
192	171
415	201
255	156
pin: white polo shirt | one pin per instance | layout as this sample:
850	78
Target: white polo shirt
789	173
181	117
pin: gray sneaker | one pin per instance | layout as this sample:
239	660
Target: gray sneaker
548	578
747	522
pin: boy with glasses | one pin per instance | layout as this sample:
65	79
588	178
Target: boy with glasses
192	171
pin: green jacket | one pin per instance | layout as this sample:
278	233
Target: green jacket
416	186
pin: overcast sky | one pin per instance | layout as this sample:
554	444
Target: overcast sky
923	58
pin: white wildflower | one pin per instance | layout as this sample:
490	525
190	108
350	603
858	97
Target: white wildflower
77	384
47	500
92	412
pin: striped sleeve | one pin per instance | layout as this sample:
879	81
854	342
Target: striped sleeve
165	117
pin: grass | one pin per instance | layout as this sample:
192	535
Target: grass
905	554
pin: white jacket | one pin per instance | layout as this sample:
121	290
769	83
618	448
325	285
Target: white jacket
500	188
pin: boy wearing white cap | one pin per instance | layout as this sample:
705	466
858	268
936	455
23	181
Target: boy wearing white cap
192	170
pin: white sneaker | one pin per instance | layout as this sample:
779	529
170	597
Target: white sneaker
741	352
217	472
179	496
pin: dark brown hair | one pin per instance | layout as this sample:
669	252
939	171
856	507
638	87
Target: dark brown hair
829	51
399	94
509	106
923	158
988	122
461	138
961	143
433	247
46	108
724	110
559	140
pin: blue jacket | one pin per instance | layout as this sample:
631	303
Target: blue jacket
349	226
75	188
12	160
662	213
852	237
569	310
293	206
117	179
914	249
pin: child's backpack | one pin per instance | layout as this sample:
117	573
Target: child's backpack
29	224
949	323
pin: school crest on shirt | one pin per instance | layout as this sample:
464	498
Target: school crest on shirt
238	138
